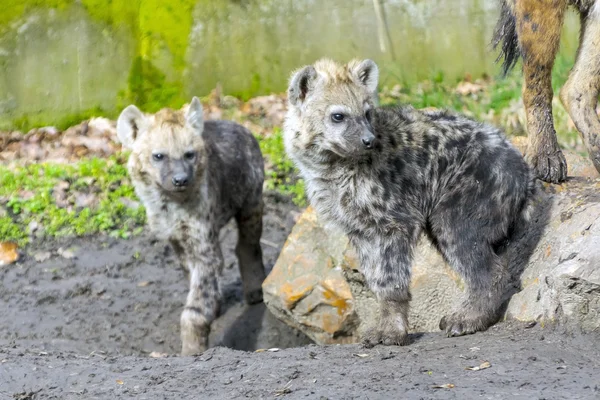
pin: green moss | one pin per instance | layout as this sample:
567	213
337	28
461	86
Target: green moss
148	88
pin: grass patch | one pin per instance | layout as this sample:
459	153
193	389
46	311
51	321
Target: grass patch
281	174
46	196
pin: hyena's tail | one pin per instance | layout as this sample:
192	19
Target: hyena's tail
506	32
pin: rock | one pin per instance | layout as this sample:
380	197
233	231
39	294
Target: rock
307	289
316	287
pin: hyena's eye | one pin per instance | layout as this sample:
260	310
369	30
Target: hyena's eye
337	117
369	115
158	156
189	155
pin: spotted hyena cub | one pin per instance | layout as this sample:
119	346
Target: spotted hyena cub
193	177
385	175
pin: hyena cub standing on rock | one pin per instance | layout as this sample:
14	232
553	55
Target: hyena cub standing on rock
384	175
193	177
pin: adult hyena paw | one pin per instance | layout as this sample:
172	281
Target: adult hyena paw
550	168
386	337
458	324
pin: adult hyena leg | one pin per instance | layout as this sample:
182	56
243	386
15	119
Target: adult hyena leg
485	275
385	263
204	262
539	24
249	253
580	94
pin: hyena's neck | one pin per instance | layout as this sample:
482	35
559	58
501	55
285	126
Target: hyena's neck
166	214
330	186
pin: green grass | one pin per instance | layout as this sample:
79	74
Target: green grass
281	176
27	196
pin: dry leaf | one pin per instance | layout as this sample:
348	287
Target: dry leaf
444	386
362	355
9	253
273	350
42	256
68	254
260	350
466	88
119	382
156	354
144	283
483	365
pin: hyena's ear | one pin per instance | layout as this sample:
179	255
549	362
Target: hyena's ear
194	116
128	125
366	73
300	84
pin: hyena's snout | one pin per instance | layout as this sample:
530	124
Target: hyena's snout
178	177
367	137
180	180
368	140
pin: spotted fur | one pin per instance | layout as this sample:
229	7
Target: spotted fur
531	29
222	167
457	180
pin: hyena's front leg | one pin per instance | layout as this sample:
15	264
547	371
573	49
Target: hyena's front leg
386	263
249	252
204	262
538	27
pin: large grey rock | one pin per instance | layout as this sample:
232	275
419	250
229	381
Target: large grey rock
316	285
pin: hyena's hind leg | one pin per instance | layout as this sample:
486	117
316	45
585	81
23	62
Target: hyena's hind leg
580	94
469	252
204	263
386	265
538	25
249	252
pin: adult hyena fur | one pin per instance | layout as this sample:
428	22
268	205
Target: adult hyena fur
531	29
385	175
193	177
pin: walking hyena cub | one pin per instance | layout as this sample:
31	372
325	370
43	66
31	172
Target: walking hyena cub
193	177
384	175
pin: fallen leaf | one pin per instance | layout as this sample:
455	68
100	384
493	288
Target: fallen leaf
466	88
119	382
156	354
260	350
144	283
42	256
68	254
9	253
444	386
483	365
362	355
273	350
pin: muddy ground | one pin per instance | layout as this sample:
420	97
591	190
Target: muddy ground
83	323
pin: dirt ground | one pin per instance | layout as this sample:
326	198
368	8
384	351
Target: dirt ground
82	321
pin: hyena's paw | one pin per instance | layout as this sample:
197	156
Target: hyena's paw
254	296
550	168
194	332
459	324
386	336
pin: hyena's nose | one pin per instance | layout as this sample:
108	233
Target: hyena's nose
368	141
180	180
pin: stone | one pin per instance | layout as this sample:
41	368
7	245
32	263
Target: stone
316	287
